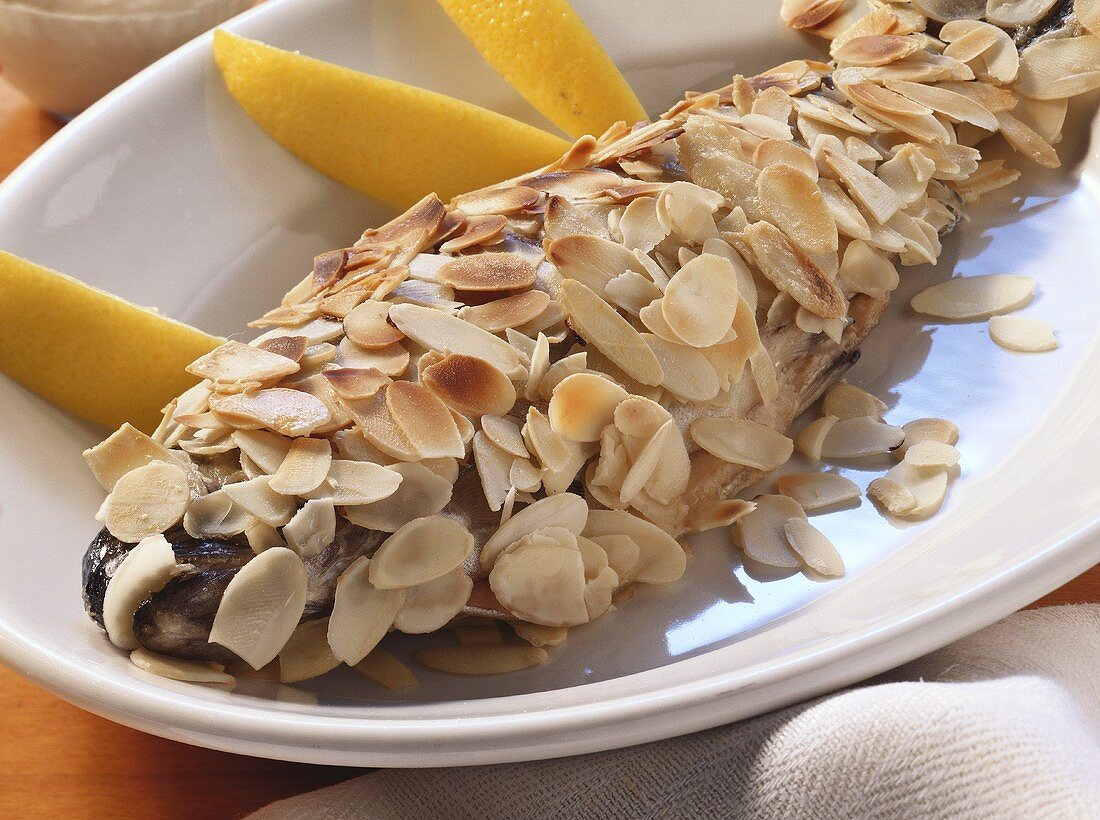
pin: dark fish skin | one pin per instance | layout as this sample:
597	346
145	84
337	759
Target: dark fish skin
176	620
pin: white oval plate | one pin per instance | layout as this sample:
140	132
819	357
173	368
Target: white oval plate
167	194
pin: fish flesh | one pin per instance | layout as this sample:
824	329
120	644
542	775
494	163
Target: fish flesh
557	336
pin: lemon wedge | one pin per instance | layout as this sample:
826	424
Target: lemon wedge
391	141
89	352
546	52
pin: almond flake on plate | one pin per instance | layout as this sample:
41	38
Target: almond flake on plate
689	374
360	482
261	606
740	441
560	510
511	311
421	551
792	271
930	453
661	560
425	420
794	202
266	449
481	660
470	385
215	514
762	536
146	501
362	614
145	570
582	405
307	654
384	668
860	437
813	547
124	450
929	429
494	467
591	260
1058	68
488	272
505	433
864	270
975	297
432	605
540	578
164	666
814	491
1022	334
846	401
928	486
312	528
391	361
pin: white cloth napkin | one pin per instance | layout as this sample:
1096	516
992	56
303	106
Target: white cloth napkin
1002	724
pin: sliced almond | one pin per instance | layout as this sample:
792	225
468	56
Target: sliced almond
846	401
792	200
643	467
892	496
235	366
539	635
368	326
282	410
861	437
266	449
867	189
740	441
380	429
1059	68
932	454
421	551
164	666
610	333
488	272
701	299
813	547
1022	334
928	486
146	501
640	225
384	668
124	450
263	537
975	297
582	405
661	560
436	330
525	476
689	374
815	491
864	270
360	482
258	499
392	361
560	510
622	553
930	429
145	570
688	210
591	260
361	613
314	332
631	291
312	529
639	416
215	515
494	469
307	655
793	272
425	421
432	605
670	480
421	493
306	465
540	579
511	311
470	385
505	433
762	533
261	607
481	660
497	200
559	457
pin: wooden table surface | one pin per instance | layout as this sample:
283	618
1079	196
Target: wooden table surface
58	761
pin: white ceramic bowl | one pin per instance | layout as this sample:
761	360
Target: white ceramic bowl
167	194
66	54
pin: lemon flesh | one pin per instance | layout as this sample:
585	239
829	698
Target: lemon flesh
546	52
388	140
89	352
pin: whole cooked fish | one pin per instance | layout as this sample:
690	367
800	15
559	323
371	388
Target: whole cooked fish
497	406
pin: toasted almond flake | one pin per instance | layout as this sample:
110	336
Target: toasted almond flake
146	501
164	666
689	374
360	482
774	152
931	454
1022	334
215	514
640	226
289	412
145	570
124	450
290	347
877	49
670	481
425	420
559	457
849	220
761	534
493	469
813	548
793	272
975	297
814	491
867	189
481	660
368	327
892	496
701	299
1011	13
488	272
861	437
944	11
312	528
599	323
661	559
1028	143
846	401
314	332
306	465
470	385
391	361
511	311
652	316
361	612
558	371
261	606
643	467
740	441
373	418
928	486
266	449
505	433
631	291
1088	14
639	416
235	366
421	493
591	260
436	330
864	270
307	655
1054	69
258	499
384	668
582	405
476	230
420	551
793	201
432	605
560	510
540	579
565	218
688	210
497	200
